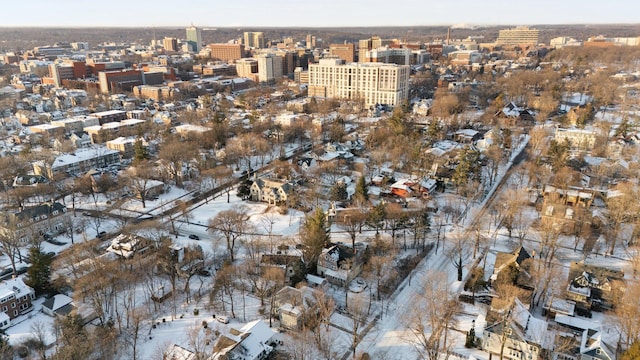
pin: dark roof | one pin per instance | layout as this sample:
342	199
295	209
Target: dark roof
29	180
42	209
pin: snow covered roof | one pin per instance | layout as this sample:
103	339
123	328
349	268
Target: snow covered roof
81	155
251	341
57	301
14	287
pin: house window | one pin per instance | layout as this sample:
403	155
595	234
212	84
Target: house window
13	305
3	300
4	308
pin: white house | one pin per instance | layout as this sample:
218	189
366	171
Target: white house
250	342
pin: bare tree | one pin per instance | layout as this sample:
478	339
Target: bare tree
432	316
231	224
140	180
459	251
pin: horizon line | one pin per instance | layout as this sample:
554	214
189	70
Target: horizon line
462	25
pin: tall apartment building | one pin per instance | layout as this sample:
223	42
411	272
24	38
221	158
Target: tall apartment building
60	72
247	68
374	83
254	40
373	42
519	36
346	51
311	41
170	44
227	52
269	67
194	38
387	55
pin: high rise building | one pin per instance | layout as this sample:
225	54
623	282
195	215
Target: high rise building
194	38
254	40
170	44
227	52
269	67
385	54
519	36
372	43
247	68
374	83
311	41
346	51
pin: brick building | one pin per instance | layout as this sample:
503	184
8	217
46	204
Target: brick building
227	52
15	298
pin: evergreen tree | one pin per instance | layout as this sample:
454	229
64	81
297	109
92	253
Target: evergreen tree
140	152
471	337
338	192
377	215
39	273
244	189
315	236
362	191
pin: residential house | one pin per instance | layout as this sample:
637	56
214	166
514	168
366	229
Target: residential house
340	264
35	221
594	287
579	139
273	192
15	298
515	259
29	180
58	305
127	245
402	188
250	342
466	136
524	336
177	352
291	265
295	305
584	345
563	208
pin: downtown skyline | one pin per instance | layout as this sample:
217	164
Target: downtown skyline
327	13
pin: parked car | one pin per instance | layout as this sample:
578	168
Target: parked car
222	319
194	237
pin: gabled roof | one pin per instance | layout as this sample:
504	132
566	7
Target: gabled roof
246	343
595	347
39	210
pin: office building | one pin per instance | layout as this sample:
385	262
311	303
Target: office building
59	72
372	43
247	68
118	81
388	55
269	68
254	40
374	83
170	44
227	52
346	51
519	36
311	41
194	38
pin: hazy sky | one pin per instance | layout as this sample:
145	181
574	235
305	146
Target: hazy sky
314	13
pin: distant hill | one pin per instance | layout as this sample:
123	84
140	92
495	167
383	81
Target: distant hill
27	38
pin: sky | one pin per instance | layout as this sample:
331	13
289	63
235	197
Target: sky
314	13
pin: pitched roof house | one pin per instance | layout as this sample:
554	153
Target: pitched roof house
273	192
251	342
